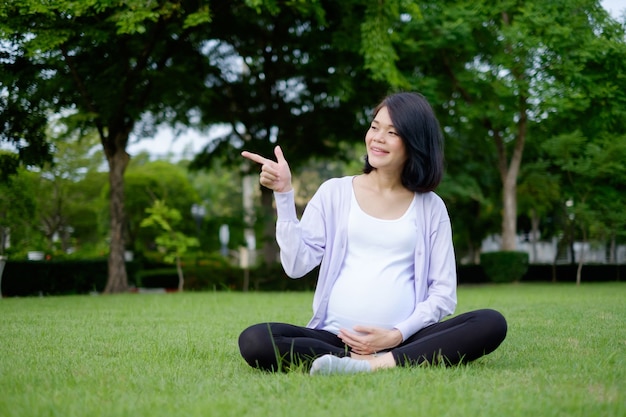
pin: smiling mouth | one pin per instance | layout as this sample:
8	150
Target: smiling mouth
378	151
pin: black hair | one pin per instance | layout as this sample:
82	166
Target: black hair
418	127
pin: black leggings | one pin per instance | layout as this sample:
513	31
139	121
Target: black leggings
464	338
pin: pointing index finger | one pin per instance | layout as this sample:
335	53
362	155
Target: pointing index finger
255	157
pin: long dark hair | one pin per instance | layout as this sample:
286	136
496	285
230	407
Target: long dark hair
418	127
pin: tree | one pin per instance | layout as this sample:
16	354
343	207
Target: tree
173	242
291	74
495	70
470	190
219	189
105	66
63	196
151	181
590	153
60	200
539	192
22	121
472	213
17	209
87	211
594	176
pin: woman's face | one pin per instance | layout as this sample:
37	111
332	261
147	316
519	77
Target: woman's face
385	148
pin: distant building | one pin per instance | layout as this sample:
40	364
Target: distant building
545	252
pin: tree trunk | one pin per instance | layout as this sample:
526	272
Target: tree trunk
509	170
118	159
3	261
270	247
181	277
4	234
509	215
581	259
534	220
612	250
246	279
570	243
249	219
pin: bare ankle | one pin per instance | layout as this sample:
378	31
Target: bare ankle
386	360
361	357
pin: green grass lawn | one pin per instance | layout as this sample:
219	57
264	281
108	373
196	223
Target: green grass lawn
176	355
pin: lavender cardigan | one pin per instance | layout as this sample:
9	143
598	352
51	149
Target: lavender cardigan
321	236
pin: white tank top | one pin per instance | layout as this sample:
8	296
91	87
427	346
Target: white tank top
375	286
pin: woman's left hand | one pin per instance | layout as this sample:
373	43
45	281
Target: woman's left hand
366	340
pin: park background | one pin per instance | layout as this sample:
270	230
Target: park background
530	96
97	191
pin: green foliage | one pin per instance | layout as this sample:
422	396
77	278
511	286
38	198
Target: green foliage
108	66
504	266
173	242
377	46
150	181
86	210
67	191
473	214
593	173
57	277
222	277
220	191
539	189
18	211
64	275
9	163
59	200
158	278
311	70
305	88
502	73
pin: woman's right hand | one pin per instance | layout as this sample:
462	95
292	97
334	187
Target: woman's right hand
274	175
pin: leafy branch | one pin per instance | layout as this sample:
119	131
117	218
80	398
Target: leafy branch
173	243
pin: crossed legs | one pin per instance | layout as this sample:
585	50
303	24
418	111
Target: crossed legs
464	338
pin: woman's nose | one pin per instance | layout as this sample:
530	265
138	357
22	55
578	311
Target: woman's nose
378	137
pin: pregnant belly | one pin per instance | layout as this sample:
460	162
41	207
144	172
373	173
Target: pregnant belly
382	306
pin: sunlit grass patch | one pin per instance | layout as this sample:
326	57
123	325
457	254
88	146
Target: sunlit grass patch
177	354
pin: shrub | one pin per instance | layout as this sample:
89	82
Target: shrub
504	266
27	278
158	278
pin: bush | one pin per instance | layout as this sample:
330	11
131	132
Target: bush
27	278
157	278
504	266
226	277
197	278
471	274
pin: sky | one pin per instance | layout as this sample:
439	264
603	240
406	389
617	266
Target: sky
167	144
171	145
615	7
